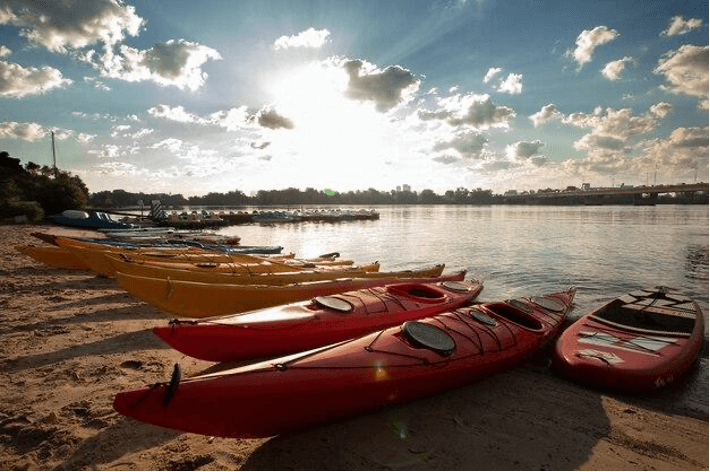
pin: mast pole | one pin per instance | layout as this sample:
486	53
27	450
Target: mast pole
54	156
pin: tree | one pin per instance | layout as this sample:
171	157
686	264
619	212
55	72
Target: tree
10	163
428	197
32	168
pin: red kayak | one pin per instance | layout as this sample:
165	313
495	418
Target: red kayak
636	343
394	365
301	326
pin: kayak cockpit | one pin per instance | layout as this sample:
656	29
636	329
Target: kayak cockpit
516	312
648	318
417	292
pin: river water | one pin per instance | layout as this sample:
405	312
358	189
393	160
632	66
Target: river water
604	251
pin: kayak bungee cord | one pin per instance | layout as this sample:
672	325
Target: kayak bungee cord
478	344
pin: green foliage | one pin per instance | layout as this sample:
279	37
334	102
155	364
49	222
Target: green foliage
32	210
294	196
38	191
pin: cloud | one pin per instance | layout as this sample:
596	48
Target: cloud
595	142
446	160
97	83
60	25
680	25
473	110
269	118
171	144
116	169
588	41
512	84
118	129
107	151
84	138
491	73
539	161
470	144
613	69
24	131
4	51
260	145
523	150
232	119
611	126
17	81
311	38
613	137
686	70
386	88
686	149
661	109
177	113
141	133
177	63
62	134
603	162
547	113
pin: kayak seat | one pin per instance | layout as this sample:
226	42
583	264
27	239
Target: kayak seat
660	319
417	292
514	314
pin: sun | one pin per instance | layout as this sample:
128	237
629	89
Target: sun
333	136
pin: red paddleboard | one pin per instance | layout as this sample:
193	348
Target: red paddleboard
301	326
636	343
389	366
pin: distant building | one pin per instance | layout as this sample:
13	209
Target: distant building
511	192
399	188
406	188
586	187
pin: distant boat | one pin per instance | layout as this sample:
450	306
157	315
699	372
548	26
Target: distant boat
82	219
275	217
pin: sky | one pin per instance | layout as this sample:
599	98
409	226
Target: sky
189	98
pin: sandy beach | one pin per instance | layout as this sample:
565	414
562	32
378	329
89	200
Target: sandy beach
70	340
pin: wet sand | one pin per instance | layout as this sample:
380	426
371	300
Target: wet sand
70	340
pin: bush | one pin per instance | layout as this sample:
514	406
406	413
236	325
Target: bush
32	210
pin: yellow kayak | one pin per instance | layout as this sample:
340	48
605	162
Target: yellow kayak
207	273
54	256
94	256
198	300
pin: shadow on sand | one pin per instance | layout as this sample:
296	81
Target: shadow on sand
688	396
484	426
114	442
126	342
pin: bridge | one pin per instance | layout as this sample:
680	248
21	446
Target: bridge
628	195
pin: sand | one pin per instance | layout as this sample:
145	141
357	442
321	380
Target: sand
69	340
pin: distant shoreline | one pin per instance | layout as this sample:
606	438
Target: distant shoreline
336	205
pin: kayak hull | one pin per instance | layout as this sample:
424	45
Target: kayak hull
637	343
54	256
390	366
200	300
99	257
302	326
242	274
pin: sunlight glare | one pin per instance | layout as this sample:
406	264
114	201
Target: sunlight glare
333	135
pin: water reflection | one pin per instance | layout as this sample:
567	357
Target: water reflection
696	262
